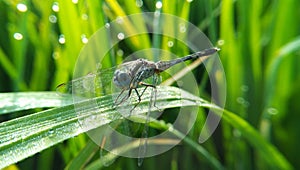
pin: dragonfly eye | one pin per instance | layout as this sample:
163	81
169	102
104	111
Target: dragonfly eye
121	79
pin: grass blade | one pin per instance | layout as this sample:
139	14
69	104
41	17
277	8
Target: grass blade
25	136
12	102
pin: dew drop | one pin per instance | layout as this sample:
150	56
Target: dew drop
244	88
84	39
62	39
139	3
170	43
75	1
182	28
55	7
246	104
237	133
120	52
240	100
221	42
272	111
243	102
51	131
107	25
121	36
158	4
18	36
84	16
52	19
120	20
189	1
22	7
55	55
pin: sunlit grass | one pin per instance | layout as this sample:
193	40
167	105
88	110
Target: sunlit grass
259	51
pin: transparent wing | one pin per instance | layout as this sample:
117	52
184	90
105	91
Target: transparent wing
144	137
106	157
93	84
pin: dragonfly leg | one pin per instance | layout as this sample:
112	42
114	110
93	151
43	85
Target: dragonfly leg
116	101
124	98
154	103
147	85
139	98
155	93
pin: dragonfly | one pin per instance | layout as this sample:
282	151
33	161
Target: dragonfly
131	75
128	77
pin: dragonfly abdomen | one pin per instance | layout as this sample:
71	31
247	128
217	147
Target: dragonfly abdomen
163	65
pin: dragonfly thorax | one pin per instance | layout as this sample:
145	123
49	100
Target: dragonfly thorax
130	74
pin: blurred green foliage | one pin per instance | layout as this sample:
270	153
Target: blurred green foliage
260	42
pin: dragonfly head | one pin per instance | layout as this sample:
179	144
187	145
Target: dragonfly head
122	79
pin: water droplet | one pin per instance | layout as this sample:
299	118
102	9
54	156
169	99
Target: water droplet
240	100
246	104
107	25
84	39
22	7
120	20
139	3
158	4
85	16
189	1
121	36
244	88
182	28
120	52
221	42
170	43
272	111
243	102
51	131
18	36
55	7
55	55
52	19
75	1
237	133
61	39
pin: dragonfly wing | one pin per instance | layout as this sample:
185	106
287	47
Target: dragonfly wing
144	137
108	141
92	85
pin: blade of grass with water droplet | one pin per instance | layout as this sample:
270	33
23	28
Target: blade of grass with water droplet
28	135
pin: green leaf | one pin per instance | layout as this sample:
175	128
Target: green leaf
12	102
28	135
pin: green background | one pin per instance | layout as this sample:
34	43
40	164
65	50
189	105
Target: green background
260	45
